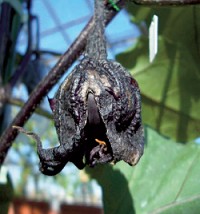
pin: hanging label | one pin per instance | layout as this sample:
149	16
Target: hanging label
153	38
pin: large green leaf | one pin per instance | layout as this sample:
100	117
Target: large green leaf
166	180
170	86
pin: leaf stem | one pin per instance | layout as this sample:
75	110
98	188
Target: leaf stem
165	2
176	203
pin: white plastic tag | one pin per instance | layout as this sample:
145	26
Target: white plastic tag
153	38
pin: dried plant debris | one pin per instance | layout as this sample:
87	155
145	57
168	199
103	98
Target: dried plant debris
97	112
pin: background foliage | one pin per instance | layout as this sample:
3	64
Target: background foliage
170	85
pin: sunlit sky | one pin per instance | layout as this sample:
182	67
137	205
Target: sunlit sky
61	22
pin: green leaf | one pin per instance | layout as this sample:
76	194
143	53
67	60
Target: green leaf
170	85
166	180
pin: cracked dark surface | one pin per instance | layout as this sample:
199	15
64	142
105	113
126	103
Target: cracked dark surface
97	114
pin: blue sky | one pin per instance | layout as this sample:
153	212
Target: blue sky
61	22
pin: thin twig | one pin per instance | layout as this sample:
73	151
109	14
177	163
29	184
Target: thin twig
165	2
50	52
47	83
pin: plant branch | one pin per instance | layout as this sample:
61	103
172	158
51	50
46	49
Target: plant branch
5	20
41	52
38	110
47	83
165	2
